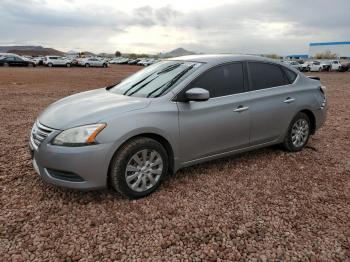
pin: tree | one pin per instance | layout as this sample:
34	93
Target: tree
133	55
272	56
326	55
117	54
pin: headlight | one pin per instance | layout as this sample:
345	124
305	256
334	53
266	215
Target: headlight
78	136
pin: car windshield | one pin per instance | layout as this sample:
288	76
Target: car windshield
155	80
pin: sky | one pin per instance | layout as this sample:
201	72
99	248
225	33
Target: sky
132	26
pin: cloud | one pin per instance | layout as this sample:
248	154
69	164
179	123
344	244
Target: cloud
253	26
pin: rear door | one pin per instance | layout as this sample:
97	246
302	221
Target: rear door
272	102
20	62
220	124
61	61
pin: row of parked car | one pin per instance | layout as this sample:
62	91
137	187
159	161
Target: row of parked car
133	61
8	59
319	66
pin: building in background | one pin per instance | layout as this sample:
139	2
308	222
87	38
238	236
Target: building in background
341	49
297	57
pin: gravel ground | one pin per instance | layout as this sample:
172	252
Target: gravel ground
266	205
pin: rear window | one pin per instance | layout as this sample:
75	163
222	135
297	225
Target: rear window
265	75
290	75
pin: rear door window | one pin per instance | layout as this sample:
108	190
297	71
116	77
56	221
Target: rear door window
265	75
290	75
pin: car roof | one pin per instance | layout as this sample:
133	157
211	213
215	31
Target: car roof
221	58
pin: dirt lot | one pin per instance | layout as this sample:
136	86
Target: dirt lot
266	205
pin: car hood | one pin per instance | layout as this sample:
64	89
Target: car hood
88	108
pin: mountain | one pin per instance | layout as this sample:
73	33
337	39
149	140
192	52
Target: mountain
30	50
177	52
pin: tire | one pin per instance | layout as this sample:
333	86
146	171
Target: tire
87	65
300	122
139	184
320	69
30	65
49	64
68	65
105	65
6	64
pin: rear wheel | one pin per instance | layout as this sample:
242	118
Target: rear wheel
30	65
298	133
68	65
138	167
6	64
105	65
49	64
87	65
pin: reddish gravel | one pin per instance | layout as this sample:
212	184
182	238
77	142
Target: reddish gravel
266	205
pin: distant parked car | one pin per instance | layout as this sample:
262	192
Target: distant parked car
344	67
15	61
92	61
115	60
146	62
38	60
134	61
51	61
293	64
313	66
335	65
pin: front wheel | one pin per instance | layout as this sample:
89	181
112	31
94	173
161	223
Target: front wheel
298	133
138	167
68	65
87	65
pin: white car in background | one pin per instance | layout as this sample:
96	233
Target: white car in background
146	61
313	66
293	64
93	61
51	61
335	65
115	60
39	60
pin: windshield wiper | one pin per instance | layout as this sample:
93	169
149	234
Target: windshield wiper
139	82
169	68
138	89
171	82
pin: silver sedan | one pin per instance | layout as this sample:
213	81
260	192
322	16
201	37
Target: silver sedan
173	114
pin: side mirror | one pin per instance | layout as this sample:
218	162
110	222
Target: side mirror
197	94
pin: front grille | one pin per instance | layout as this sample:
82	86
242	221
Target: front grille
40	133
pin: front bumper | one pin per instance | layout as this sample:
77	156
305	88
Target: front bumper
89	164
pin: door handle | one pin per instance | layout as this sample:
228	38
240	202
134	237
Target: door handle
289	100
241	109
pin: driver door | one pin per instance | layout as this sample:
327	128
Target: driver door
220	124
